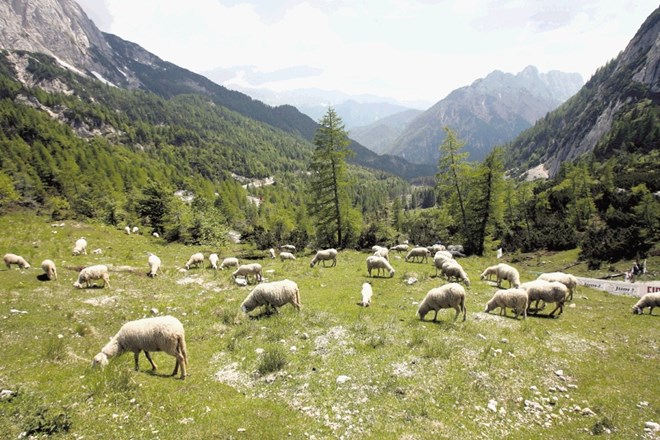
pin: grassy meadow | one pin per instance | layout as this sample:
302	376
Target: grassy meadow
331	370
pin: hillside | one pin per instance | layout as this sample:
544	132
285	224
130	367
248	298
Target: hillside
378	136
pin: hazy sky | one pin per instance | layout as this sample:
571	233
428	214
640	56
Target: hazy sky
410	50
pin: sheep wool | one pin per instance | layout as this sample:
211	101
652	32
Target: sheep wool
649	300
367	293
195	259
400	248
382	252
325	255
271	252
452	269
379	263
273	295
162	333
287	256
450	295
48	266
515	299
288	248
229	262
154	264
491	270
546	291
508	273
419	252
80	248
10	259
213	261
246	270
98	272
566	279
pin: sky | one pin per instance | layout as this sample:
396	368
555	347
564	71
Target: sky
414	51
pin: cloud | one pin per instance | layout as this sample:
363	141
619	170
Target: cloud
251	76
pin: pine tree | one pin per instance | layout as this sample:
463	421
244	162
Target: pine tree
452	172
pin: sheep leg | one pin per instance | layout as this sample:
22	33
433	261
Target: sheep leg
560	306
436	315
458	311
136	355
154	367
180	361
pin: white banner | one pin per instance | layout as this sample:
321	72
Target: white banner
621	287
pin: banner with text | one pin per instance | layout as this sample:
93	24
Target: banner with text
621	287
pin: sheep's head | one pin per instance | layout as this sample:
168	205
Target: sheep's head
26	266
422	311
100	360
490	305
637	310
77	285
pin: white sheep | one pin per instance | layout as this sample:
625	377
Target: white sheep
287	256
246	270
213	261
127	229
650	300
155	234
400	248
325	255
439	260
450	295
196	259
452	269
566	279
367	293
376	248
15	259
80	247
154	264
418	252
548	292
135	230
229	262
436	248
271	252
161	333
515	299
288	248
379	263
272	295
491	270
508	273
98	272
382	252
48	266
456	248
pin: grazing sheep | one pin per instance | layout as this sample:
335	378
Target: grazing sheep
127	229
650	300
161	333
246	270
271	252
80	247
548	292
491	270
439	260
154	264
135	230
450	295
15	259
383	252
379	263
515	299
566	279
452	269
400	248
456	248
376	248
367	293
272	295
213	261
418	252
508	273
98	272
325	255
156	234
288	248
437	248
229	262
287	256
49	267
196	259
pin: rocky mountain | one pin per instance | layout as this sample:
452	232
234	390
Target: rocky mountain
489	112
61	29
379	136
616	112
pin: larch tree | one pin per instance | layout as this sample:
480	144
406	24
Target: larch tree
453	174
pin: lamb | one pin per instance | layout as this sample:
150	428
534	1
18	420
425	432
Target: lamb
229	262
325	255
650	300
400	248
80	247
272	295
547	291
566	279
287	256
246	270
271	252
418	252
98	272
196	259
161	333
367	293
49	267
450	295
379	263
15	259
508	273
154	264
516	299
288	248
383	252
213	260
452	269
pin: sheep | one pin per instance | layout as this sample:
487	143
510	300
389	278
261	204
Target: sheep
155	234
98	251
98	272
456	248
367	293
325	255
376	248
418	252
436	248
246	270
566	279
650	300
516	299
127	229
229	262
49	267
80	247
154	264
379	263
490	270
288	248
135	230
546	291
15	259
287	256
161	333
452	269
383	252
508	273
271	252
450	295
196	259
400	248
272	295
213	261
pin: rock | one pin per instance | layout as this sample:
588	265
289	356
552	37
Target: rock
504	341
154	311
410	281
559	373
652	426
587	412
259	350
480	336
293	348
342	379
241	429
533	388
7	394
492	405
642	404
304	336
532	405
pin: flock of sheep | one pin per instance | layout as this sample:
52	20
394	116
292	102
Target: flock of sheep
166	333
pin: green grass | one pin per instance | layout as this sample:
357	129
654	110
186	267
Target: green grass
276	376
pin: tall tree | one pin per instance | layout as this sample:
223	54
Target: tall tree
329	178
452	172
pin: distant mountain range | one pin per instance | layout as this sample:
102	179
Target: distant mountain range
380	135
